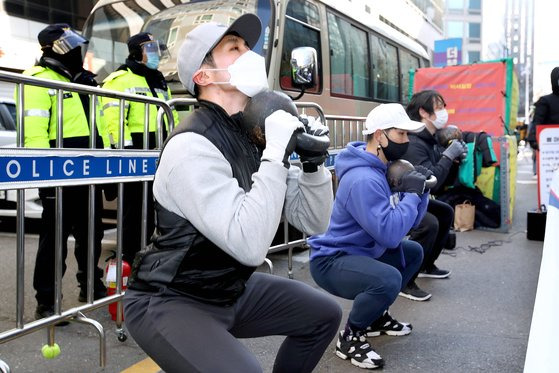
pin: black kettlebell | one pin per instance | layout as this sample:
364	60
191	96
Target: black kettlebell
398	168
260	106
447	134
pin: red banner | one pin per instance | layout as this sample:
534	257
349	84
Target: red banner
474	94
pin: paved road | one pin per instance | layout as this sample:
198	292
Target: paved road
478	320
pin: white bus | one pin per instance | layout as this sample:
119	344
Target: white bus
360	60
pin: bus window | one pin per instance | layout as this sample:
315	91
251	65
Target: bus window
303	11
302	29
349	59
385	70
407	62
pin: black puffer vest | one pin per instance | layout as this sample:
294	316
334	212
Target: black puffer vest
180	257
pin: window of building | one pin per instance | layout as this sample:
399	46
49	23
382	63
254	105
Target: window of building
455	4
474	30
385	70
349	66
474	56
204	18
407	62
300	32
455	29
172	39
474	7
73	12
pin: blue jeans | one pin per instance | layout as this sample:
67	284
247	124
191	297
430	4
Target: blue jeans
373	284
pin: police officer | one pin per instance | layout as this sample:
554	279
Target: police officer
138	75
62	61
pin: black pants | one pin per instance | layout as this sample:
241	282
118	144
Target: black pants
432	232
132	219
75	202
184	335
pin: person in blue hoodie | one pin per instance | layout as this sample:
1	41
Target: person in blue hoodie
363	255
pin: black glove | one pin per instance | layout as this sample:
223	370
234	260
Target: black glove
424	171
310	158
465	152
413	182
454	150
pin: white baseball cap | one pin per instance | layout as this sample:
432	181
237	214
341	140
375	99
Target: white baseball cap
201	40
387	116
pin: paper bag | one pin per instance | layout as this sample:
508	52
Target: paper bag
464	216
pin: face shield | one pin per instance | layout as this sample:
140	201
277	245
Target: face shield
68	41
155	47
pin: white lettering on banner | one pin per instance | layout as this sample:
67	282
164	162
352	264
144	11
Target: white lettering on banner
35	173
11	174
65	169
42	169
132	166
86	167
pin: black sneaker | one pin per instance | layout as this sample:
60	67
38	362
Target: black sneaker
97	294
360	353
414	292
434	273
389	326
43	311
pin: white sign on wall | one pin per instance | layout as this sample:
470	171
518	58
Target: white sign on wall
548	159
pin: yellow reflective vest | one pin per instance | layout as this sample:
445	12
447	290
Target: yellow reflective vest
40	113
129	82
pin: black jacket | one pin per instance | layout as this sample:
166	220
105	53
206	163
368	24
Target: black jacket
180	257
424	150
547	109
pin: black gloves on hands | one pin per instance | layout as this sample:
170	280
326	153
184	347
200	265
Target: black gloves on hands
310	158
455	150
424	171
413	182
465	152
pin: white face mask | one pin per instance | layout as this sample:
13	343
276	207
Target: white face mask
247	74
441	118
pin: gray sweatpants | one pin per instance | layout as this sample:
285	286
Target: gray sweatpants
183	335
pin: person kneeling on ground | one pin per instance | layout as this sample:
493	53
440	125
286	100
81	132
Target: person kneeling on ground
432	233
218	200
362	256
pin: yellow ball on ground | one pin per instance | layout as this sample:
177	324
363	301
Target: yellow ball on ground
50	352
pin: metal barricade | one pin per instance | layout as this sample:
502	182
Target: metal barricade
506	200
19	161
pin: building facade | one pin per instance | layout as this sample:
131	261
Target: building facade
463	20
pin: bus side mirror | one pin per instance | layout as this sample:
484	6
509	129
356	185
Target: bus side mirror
304	69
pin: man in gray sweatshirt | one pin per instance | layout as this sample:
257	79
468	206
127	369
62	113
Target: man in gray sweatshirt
219	197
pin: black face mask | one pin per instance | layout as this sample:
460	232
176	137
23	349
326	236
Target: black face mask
394	150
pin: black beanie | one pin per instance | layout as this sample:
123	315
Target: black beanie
135	44
51	33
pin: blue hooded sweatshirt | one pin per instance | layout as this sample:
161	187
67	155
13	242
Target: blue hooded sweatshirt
366	218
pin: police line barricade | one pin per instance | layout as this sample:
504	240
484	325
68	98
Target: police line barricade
22	169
